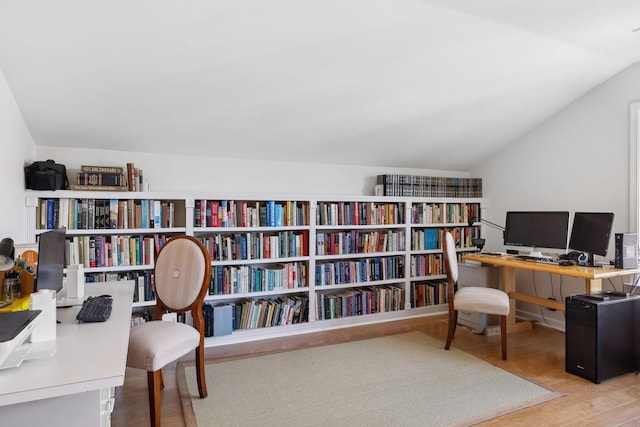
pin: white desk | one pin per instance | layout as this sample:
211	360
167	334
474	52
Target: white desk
74	387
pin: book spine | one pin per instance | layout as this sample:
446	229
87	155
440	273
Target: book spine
114	179
101	169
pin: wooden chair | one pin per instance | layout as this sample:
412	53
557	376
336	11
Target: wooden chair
182	273
469	298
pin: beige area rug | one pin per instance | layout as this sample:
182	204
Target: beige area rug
398	380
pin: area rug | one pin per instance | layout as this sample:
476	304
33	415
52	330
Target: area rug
398	380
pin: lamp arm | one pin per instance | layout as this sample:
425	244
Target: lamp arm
489	223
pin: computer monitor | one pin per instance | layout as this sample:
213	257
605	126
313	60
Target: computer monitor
590	233
51	260
537	229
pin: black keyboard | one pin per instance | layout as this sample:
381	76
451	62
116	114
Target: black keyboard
543	259
95	309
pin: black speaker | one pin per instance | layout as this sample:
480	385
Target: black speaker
601	335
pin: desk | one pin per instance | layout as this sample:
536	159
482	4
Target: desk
69	388
592	276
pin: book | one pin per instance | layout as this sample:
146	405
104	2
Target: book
85	178
130	176
102	169
84	187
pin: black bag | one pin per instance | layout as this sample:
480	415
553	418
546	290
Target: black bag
46	176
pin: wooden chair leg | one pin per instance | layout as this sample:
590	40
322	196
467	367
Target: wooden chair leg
200	374
453	321
503	336
154	383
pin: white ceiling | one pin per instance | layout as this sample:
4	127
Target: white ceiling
434	84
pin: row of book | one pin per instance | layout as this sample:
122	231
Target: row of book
112	250
359	242
228	280
428	293
444	213
359	213
232	213
101	178
429	186
426	265
256	245
109	178
360	301
100	214
144	289
364	270
265	313
431	238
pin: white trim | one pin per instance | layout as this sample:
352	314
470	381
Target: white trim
634	153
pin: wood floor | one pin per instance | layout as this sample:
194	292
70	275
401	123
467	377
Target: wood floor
537	355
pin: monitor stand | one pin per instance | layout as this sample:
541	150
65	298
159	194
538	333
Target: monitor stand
535	254
62	300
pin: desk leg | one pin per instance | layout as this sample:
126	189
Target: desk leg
593	285
509	286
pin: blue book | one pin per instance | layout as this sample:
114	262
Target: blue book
224	220
279	215
271	213
243	247
50	210
145	217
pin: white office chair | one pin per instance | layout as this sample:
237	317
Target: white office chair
182	273
469	298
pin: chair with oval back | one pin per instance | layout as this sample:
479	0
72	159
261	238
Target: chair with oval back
181	274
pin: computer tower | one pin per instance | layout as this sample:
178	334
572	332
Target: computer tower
601	335
626	250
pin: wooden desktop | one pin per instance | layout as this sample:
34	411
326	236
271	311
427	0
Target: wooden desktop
592	276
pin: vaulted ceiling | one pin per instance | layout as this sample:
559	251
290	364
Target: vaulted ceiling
402	83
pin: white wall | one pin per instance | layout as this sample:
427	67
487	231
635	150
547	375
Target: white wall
577	161
16	149
210	174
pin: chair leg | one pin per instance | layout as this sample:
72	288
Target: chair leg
453	321
503	336
202	382
154	382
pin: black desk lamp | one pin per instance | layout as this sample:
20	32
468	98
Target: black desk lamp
479	243
7	252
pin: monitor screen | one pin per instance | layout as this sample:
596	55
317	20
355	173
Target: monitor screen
537	229
51	260
591	232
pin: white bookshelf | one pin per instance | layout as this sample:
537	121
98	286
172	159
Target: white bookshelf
395	220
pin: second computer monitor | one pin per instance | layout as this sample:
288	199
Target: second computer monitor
591	232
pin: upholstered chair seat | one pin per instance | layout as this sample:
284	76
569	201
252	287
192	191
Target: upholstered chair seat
157	345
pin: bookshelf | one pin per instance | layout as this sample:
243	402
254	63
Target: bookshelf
259	252
286	264
429	220
359	258
113	235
